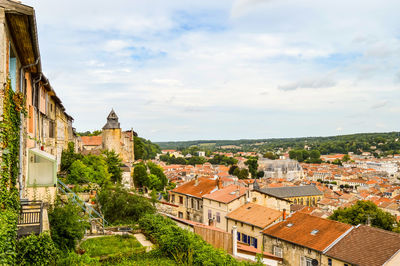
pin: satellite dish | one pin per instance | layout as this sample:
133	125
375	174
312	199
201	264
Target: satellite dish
314	262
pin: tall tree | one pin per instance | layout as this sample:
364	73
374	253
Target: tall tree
140	177
114	164
252	163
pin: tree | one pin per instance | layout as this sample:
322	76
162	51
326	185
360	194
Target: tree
78	173
346	158
364	212
36	250
121	207
114	164
252	163
243	174
196	160
98	169
270	155
140	178
67	226
236	172
232	169
159	173
260	174
68	157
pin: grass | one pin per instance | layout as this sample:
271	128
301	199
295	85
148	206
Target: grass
111	246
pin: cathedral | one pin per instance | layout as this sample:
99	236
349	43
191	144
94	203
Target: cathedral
112	138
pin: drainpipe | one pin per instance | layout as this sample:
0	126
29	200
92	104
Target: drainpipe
21	73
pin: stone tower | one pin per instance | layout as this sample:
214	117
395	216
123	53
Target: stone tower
112	133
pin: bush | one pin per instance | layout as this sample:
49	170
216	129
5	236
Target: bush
36	250
8	236
66	224
71	258
121	207
181	245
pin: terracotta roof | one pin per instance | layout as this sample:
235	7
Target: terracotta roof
255	214
366	245
299	227
203	187
226	194
92	140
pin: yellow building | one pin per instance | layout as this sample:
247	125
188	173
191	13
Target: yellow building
304	195
250	219
218	204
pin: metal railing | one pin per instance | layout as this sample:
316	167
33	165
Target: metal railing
93	214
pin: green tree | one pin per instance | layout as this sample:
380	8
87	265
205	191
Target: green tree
140	178
159	172
346	158
78	173
68	157
121	207
67	225
270	155
252	163
114	164
232	169
98	169
236	172
196	160
36	250
243	174
364	212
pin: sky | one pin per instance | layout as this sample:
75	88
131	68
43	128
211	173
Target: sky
189	70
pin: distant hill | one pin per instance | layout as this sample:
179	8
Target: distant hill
385	142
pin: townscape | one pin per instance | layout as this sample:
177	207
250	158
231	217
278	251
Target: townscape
112	197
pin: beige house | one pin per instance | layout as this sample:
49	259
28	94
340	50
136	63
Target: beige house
250	219
218	204
189	197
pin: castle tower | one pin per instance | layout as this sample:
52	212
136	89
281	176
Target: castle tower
112	133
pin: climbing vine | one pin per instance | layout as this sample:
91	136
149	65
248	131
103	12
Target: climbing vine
10	122
9	142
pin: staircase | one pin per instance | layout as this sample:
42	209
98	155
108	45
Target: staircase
96	220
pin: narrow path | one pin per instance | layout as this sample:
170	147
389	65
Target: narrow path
142	240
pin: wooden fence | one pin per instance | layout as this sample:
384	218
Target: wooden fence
215	237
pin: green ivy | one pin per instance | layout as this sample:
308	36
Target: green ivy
9	142
9	163
36	250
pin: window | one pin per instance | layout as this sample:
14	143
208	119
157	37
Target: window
51	129
329	262
180	200
218	217
12	68
254	242
278	251
173	198
244	238
180	215
238	236
209	214
305	261
252	228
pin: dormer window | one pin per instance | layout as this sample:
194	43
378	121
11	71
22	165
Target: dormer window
289	225
314	232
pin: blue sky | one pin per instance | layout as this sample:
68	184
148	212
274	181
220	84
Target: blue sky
184	70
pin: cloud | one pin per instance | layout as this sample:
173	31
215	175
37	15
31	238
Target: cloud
241	7
309	84
380	104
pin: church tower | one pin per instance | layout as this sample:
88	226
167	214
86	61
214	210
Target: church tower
112	133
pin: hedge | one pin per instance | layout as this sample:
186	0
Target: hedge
181	245
8	236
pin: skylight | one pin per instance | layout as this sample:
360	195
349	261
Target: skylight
289	225
314	232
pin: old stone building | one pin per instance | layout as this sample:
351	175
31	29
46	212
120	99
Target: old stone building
112	138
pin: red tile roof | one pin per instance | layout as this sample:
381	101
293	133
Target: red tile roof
255	214
92	140
300	227
366	245
226	194
204	186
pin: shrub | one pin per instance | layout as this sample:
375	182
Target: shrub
181	245
66	224
36	250
121	207
8	236
71	258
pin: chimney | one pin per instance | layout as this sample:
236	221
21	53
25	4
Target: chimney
284	214
219	183
196	181
237	192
